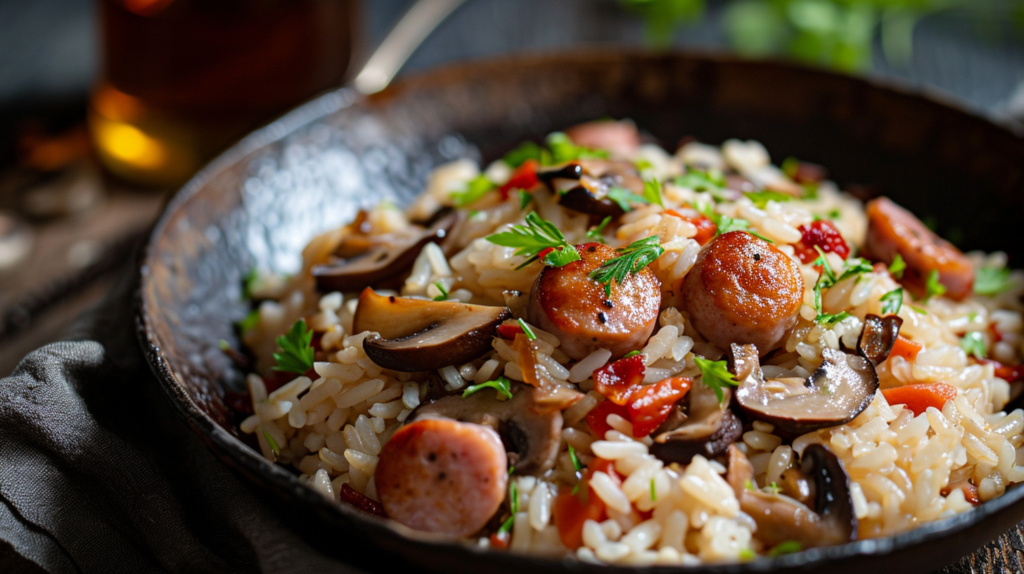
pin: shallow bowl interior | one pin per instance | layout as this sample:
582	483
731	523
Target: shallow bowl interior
313	169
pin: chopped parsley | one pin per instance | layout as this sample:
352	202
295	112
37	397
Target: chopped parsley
826	268
595	234
475	189
716	375
274	447
773	488
761	198
631	354
991	280
933	287
536	236
787	547
444	292
892	301
297	352
747	555
563	150
575	460
897	267
526	151
249	322
698	180
748	485
833	214
973	343
642	164
631	260
501	384
790	166
527	330
855	266
825	280
623	197
652	192
726	224
513	497
918	310
654	495
524	199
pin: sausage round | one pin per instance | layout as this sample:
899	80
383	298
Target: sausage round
567	303
743	290
442	476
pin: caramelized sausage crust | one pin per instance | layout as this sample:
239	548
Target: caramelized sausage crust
743	290
566	302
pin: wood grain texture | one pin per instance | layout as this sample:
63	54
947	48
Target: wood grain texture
1004	554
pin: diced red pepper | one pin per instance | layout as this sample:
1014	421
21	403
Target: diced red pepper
1009	373
597	418
524	177
499	540
544	253
509	330
650	405
352	497
997	335
970	492
617	380
905	348
570	511
920	396
823	234
606	466
706	229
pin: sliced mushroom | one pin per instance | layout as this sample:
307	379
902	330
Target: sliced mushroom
516	301
780	518
531	439
706	428
878	337
839	390
417	335
362	260
583	185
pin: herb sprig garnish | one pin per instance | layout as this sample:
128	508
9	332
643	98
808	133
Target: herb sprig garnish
535	237
825	280
761	198
897	267
697	180
297	351
595	234
716	375
726	224
631	259
991	280
973	343
501	384
560	149
933	287
513	496
892	301
444	292
475	189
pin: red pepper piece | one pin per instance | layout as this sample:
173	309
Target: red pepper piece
617	380
821	234
597	418
1009	373
650	405
509	330
706	229
524	177
352	497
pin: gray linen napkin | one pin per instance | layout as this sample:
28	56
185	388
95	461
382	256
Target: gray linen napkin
98	473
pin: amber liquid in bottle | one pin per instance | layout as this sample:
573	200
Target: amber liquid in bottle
182	79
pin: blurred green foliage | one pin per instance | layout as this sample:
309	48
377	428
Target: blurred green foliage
834	33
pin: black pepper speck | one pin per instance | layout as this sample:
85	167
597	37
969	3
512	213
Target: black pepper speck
602	317
757	257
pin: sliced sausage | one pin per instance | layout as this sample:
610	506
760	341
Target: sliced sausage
442	476
620	138
567	303
743	290
892	230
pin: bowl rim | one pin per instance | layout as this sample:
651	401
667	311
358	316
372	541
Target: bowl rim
249	462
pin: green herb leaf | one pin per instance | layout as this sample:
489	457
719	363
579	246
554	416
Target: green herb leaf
654	495
932	287
855	266
973	343
475	189
833	214
748	485
501	384
223	345
773	488
991	280
561	256
527	330
897	267
526	151
918	310
746	555
524	199
274	447
249	322
595	234
444	292
726	224
892	301
698	180
529	240
631	354
513	497
296	354
761	198
826	269
575	460
787	547
563	150
716	375
642	164
631	260
623	197
790	166
652	192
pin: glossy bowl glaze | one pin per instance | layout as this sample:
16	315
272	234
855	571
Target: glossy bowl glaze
259	203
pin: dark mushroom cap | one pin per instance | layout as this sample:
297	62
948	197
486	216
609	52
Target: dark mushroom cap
839	390
417	335
878	337
584	184
832	499
707	428
383	260
531	437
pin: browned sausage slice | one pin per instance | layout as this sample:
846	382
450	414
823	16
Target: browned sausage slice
892	230
567	303
743	290
442	476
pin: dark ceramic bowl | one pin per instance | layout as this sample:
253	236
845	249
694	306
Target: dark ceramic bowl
260	202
